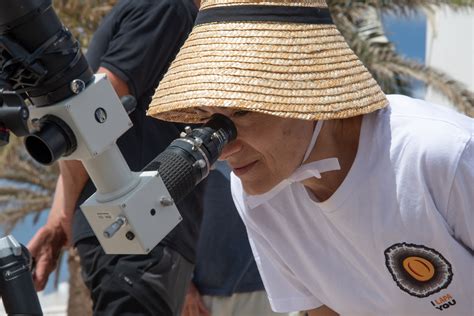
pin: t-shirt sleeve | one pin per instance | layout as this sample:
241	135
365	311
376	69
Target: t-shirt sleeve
460	212
147	37
285	292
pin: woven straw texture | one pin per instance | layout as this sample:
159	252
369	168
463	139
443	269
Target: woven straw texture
289	70
206	4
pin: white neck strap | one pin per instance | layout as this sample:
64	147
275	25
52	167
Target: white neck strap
315	168
312	143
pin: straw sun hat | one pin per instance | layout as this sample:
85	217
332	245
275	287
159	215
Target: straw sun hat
279	57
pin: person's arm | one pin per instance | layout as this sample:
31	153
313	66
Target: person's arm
193	304
47	243
322	311
120	86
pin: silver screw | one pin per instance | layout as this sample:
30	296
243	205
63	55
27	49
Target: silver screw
198	142
214	136
35	123
166	201
77	86
100	115
200	164
110	231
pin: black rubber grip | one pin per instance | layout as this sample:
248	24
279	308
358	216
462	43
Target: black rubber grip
177	173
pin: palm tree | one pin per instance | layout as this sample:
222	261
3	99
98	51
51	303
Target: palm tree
360	21
82	16
28	186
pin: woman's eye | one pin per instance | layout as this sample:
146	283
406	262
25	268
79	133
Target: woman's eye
240	113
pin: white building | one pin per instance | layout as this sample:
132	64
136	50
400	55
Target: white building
450	47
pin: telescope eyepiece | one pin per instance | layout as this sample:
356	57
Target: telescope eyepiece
188	160
54	140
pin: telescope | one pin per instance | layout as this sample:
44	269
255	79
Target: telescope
51	97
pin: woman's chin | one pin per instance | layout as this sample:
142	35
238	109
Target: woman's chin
252	188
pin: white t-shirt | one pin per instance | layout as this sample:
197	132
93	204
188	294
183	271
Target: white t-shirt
396	238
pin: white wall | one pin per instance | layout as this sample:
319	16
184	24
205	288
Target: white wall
450	47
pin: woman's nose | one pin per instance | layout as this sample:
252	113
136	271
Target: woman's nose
230	149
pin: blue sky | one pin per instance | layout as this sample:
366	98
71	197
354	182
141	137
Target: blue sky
408	34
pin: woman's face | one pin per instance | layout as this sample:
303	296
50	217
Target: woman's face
267	149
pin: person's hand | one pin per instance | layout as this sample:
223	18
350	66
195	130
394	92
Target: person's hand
193	305
45	247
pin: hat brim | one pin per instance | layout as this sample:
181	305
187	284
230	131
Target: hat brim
284	69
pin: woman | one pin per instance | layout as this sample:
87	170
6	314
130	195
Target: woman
355	203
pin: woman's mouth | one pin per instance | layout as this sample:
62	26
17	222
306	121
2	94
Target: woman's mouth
240	171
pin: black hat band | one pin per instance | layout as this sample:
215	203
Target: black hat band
265	13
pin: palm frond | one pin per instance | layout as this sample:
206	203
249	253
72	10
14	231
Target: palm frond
455	91
402	7
11	216
361	25
82	17
27	187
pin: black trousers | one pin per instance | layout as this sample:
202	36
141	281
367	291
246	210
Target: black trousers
153	284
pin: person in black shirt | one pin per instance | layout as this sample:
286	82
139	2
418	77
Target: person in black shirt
134	46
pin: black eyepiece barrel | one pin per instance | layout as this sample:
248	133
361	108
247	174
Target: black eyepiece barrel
187	160
54	140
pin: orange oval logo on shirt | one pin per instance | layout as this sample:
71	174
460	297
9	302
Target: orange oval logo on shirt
419	268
